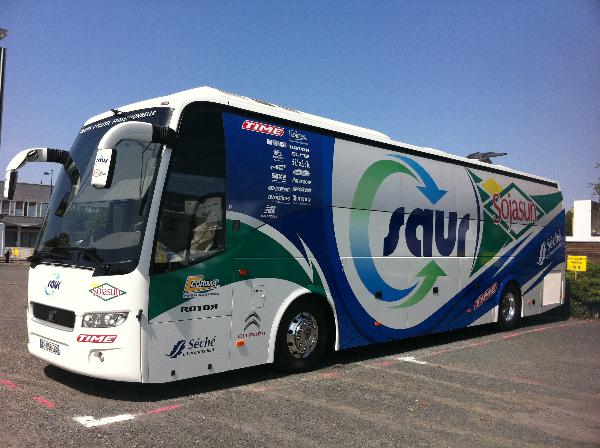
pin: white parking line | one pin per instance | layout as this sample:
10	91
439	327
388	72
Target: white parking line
411	359
90	422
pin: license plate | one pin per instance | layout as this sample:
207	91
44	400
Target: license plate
51	347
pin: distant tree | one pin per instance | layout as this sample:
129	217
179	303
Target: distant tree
569	223
595	186
96	221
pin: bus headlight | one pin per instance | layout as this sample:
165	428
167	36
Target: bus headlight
103	320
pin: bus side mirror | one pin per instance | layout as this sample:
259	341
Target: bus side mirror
26	156
10	184
104	167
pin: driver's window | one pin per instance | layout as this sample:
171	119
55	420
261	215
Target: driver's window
191	223
207	227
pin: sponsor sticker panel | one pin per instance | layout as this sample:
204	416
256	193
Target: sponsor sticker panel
179	350
285	166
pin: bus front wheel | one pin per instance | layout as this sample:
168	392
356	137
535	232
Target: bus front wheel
302	336
509	312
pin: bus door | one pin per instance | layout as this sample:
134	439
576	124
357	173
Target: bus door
190	285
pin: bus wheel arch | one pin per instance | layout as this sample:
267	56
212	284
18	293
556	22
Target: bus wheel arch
300	311
510	306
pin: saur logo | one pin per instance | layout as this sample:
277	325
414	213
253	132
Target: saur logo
422	228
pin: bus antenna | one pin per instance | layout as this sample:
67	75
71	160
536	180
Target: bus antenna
485	157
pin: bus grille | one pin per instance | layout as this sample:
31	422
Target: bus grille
53	315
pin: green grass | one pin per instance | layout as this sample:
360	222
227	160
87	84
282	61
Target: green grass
584	291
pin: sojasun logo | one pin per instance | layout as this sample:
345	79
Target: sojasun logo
509	214
106	291
422	229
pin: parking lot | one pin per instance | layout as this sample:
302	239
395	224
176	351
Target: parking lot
535	386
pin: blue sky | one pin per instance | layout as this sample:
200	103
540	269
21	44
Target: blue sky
521	77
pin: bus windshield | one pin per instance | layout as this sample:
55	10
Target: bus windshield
102	228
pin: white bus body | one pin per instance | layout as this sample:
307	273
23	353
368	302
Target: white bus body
224	232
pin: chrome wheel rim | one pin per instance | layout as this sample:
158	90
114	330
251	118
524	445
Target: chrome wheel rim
509	306
302	335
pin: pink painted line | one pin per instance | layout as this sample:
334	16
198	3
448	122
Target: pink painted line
514	335
384	363
9	384
44	402
476	344
164	409
501	338
330	375
259	389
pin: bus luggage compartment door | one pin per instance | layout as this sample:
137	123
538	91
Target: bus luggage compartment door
188	348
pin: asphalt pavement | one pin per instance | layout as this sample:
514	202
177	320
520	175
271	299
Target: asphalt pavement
537	386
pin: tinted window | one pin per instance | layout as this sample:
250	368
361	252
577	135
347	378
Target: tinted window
191	222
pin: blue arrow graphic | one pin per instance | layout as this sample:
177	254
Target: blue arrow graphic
430	190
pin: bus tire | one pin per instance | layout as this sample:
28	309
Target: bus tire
302	336
509	309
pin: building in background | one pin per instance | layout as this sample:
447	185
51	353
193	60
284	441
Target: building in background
22	217
586	230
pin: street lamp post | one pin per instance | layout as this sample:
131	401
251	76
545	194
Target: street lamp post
3	34
51	174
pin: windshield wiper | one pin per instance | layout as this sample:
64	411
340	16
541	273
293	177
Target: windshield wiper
89	254
92	255
39	255
48	256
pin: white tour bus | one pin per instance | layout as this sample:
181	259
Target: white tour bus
204	231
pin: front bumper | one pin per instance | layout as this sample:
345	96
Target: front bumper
94	354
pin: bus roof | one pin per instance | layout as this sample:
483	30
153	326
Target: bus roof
209	94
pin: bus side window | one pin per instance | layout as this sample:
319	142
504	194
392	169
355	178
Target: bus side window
191	221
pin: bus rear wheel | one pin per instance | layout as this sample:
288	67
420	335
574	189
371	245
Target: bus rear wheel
302	337
509	311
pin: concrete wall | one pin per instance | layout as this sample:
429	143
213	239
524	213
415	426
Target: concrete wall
586	219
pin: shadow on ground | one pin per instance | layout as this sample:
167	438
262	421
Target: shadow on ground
157	392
